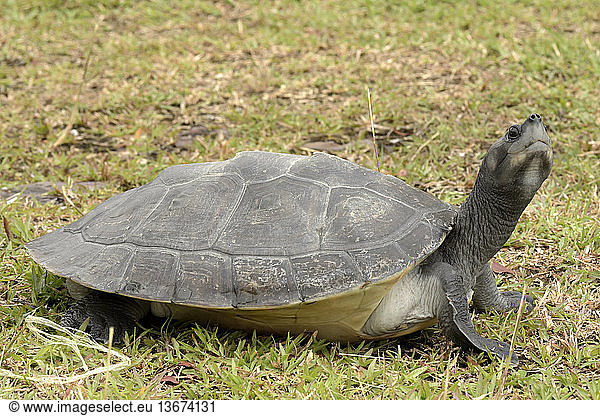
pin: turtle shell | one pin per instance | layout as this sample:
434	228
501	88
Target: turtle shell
261	230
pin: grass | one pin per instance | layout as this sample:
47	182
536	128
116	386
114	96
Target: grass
118	84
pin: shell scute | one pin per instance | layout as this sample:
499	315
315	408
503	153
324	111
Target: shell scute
256	166
151	271
277	217
205	278
357	217
332	170
378	262
264	281
116	222
190	215
321	274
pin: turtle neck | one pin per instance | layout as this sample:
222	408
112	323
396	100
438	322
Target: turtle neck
484	223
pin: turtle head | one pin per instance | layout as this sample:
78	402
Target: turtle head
520	161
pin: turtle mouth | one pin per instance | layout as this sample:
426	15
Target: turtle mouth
531	145
538	145
535	155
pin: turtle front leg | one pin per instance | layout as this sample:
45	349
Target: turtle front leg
105	310
487	296
455	319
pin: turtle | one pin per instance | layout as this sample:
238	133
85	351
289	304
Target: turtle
284	243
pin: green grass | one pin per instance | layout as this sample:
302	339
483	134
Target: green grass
447	78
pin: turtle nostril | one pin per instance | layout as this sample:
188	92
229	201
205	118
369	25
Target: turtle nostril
535	117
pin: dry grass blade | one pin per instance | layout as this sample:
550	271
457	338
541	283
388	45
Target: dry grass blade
65	193
6	229
7	347
111	335
73	339
450	365
512	343
373	129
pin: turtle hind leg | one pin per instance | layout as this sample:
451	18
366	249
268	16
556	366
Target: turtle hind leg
105	310
487	296
455	319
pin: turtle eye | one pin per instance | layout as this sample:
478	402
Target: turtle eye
514	132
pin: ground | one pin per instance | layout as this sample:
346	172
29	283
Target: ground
115	91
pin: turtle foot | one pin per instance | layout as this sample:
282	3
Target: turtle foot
498	348
464	335
513	301
455	319
103	311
